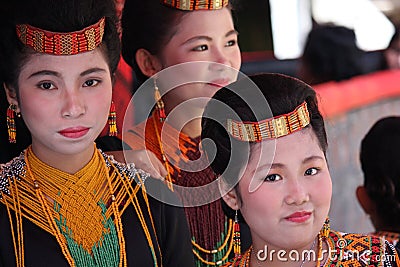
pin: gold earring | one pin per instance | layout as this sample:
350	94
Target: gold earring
326	228
159	102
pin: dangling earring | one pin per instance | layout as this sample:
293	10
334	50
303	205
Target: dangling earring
112	120
236	236
326	228
159	102
11	126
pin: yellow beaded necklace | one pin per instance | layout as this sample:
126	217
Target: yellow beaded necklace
76	199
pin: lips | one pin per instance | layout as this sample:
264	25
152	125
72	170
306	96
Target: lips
220	82
299	217
74	132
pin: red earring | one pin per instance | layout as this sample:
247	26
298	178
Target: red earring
236	236
11	126
112	120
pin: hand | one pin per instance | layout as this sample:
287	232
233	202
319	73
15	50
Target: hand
143	159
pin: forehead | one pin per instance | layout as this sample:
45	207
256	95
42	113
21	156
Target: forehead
197	22
301	144
39	61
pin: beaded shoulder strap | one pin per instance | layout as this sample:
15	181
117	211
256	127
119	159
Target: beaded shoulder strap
129	169
14	169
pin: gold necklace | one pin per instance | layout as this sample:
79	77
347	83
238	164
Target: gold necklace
27	198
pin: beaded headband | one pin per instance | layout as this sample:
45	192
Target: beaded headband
270	128
191	5
56	43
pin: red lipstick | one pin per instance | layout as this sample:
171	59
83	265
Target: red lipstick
74	132
299	217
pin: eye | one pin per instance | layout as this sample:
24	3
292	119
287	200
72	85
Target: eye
272	178
46	86
200	48
91	83
231	43
311	171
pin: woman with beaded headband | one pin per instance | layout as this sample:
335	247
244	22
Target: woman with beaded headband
172	36
62	201
268	143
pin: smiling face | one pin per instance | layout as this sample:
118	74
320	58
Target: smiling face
206	35
64	101
290	205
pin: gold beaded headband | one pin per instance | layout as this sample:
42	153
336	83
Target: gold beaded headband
57	43
270	128
191	5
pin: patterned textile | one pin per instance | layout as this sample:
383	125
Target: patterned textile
391	237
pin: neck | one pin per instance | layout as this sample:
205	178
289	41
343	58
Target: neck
69	163
188	122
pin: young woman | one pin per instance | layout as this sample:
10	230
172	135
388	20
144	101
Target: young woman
176	34
62	201
269	142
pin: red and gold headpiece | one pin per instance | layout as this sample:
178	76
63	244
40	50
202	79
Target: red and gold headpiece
270	128
191	5
60	43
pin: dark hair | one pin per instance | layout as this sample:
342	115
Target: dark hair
53	15
150	25
380	163
147	24
331	54
252	99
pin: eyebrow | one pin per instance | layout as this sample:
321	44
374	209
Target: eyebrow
281	165
57	74
311	158
207	38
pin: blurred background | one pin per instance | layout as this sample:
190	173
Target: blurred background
273	35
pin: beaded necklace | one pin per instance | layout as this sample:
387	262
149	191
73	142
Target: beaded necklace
212	257
83	207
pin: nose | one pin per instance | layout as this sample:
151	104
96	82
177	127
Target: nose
73	105
297	194
220	60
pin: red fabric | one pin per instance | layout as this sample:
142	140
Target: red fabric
122	94
336	98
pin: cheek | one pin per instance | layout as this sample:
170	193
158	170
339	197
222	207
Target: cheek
237	60
33	107
260	202
322	191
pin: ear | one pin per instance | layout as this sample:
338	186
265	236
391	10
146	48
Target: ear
232	200
365	201
11	96
147	62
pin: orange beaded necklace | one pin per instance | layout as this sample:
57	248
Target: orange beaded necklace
88	206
